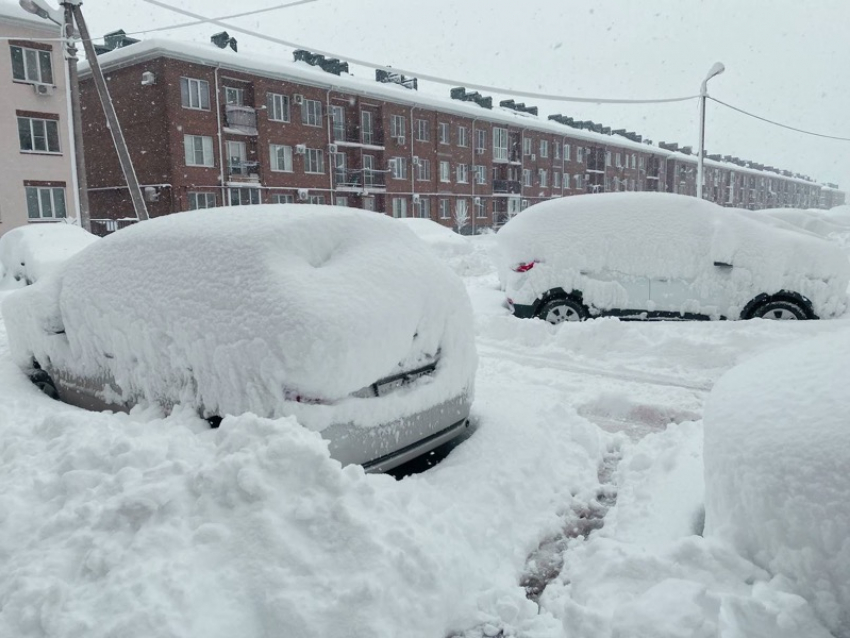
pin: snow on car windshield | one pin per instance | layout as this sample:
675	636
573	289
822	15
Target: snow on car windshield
275	303
28	253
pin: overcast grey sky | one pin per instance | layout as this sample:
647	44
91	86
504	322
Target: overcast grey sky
788	60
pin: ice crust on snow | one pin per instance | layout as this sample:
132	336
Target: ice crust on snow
592	244
777	449
30	252
255	309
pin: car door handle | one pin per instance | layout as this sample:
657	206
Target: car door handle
722	264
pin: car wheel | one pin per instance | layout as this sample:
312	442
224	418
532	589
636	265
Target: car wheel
779	309
557	311
43	382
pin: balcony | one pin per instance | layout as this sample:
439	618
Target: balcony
241	120
359	179
506	187
356	137
241	171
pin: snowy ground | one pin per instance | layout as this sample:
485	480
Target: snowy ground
147	526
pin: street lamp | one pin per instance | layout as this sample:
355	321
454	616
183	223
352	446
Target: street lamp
716	69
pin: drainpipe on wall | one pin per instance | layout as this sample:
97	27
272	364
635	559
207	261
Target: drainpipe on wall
331	165
224	199
472	172
412	166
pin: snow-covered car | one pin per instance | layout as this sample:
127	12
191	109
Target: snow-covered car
341	318
30	252
664	256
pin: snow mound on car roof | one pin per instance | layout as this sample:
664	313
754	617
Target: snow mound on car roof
664	236
30	252
816	221
777	448
245	308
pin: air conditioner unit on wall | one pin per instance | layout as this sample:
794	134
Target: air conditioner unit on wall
300	149
303	194
480	151
415	160
415	198
400	139
299	99
43	89
332	148
476	200
533	157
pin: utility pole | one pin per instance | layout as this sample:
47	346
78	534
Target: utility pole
76	117
111	118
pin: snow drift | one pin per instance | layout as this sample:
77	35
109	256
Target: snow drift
777	448
30	252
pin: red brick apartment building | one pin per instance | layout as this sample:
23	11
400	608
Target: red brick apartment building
207	126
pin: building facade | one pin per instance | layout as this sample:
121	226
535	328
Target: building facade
207	127
36	184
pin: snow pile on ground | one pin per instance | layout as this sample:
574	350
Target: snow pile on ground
601	245
30	252
468	256
266	309
139	526
777	448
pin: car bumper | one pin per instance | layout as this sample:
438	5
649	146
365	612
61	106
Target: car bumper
522	311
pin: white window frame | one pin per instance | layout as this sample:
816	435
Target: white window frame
480	141
544	148
34	123
463	136
46	199
422	208
196	197
398	127
445	172
480	208
399	207
314	161
276	151
543	177
444	133
423	170
445	209
234	95
398	167
526	177
463	173
526	146
566	152
194	94
282	198
311	112
580	154
423	130
33	61
278	106
205	150
556	178
500	144
480	172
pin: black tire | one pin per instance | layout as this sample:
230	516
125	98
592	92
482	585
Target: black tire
779	309
43	382
562	309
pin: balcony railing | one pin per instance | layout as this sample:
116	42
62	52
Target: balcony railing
356	136
241	118
507	186
359	178
102	227
243	171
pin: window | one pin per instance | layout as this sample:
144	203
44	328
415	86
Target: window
480	141
45	202
544	148
338	121
445	171
278	107
566	152
201	200
423	170
281	158
281	198
526	146
422	207
316	199
634	160
526	177
480	208
244	196
369	172
423	130
399	207
543	177
619	160
195	94
557	151
444	132
566	180
480	174
340	168
314	160
556	178
579	154
31	65
500	144
199	150
577	179
462	136
397	127
607	158
237	158
524	204
311	113
445	210
461	212
462	173
367	131
398	167
368	203
38	135
341	201
232	95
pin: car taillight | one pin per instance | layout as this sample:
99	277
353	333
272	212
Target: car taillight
525	267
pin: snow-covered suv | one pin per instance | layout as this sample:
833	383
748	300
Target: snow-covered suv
657	256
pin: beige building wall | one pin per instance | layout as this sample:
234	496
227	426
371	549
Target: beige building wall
38	170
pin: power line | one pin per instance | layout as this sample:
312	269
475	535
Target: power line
790	128
422	76
193	23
